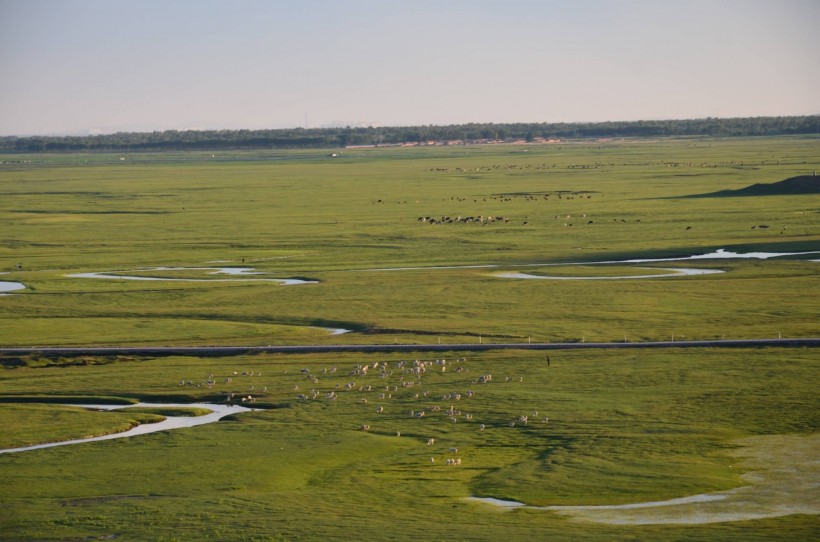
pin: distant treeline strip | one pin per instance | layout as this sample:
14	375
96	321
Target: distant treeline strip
466	133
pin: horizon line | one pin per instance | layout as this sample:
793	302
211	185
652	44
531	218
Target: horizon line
87	132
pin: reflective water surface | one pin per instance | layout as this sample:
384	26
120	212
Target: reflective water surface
241	272
10	286
170	422
672	272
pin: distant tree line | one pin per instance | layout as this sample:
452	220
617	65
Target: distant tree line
467	133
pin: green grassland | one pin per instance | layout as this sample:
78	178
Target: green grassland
27	424
309	215
624	426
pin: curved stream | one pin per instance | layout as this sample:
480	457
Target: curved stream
783	479
248	273
720	254
672	272
241	272
170	422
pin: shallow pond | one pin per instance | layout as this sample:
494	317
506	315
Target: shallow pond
170	422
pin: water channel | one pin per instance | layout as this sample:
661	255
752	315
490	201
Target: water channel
720	254
10	286
170	422
672	272
245	274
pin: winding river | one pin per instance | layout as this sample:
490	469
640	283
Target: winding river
720	254
244	274
782	477
170	422
672	272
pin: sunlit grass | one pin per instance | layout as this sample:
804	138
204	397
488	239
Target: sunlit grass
324	219
623	426
28	424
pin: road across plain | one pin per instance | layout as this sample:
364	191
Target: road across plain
207	351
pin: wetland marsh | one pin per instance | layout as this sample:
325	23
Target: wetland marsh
121	253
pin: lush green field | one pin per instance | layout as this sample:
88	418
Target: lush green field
309	215
623	427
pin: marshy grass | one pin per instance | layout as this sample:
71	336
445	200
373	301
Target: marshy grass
623	426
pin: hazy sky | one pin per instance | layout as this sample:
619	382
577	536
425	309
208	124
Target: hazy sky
141	65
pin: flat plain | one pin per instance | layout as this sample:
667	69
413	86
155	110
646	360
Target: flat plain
382	238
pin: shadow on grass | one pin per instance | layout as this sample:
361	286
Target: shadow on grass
793	186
